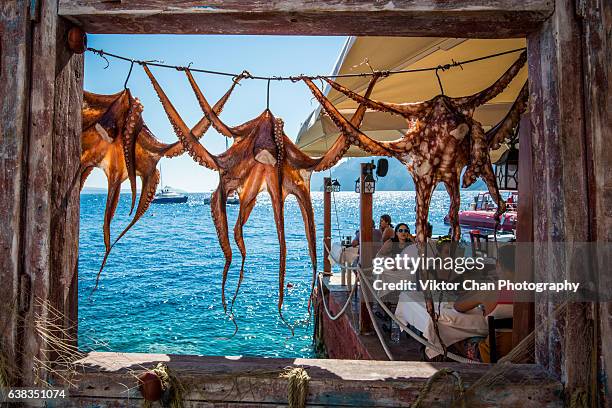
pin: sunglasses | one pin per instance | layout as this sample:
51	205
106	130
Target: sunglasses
407	231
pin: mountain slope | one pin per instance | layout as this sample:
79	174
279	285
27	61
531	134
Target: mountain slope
397	178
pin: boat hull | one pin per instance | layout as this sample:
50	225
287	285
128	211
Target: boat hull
169	200
486	220
231	201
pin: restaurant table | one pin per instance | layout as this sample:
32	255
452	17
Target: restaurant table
453	326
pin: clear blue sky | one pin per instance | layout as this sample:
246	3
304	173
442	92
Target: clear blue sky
260	55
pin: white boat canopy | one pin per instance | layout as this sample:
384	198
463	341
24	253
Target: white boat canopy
318	133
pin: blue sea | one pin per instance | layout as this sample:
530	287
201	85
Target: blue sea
160	291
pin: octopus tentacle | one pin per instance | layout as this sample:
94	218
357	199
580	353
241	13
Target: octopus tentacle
248	198
217	207
503	129
204	123
338	149
355	136
276	196
112	200
479	154
208	111
149	185
452	188
489	178
484	96
341	146
200	154
84	174
131	130
424	190
147	193
177	148
301	191
403	109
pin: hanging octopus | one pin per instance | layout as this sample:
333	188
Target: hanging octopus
261	157
115	139
442	138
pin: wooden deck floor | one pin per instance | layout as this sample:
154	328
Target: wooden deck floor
407	349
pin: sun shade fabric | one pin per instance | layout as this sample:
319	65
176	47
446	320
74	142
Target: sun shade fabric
318	133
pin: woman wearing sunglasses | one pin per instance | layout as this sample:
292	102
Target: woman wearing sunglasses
396	245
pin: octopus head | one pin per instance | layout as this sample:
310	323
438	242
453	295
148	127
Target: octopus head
460	131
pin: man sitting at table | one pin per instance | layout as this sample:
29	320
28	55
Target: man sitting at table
492	304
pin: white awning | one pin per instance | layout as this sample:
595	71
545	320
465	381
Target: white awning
395	53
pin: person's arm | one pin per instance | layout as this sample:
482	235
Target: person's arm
472	300
355	241
387	234
385	249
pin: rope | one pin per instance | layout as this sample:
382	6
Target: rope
297	386
348	300
444	372
383	343
402	326
453	64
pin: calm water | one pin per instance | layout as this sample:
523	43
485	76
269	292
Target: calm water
161	289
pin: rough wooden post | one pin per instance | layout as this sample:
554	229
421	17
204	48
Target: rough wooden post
365	243
524	312
565	342
15	44
41	148
327	230
596	20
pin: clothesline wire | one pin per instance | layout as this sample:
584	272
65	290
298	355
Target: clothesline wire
445	67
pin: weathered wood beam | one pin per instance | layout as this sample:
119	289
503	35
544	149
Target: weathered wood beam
524	312
15	45
65	204
103	378
596	18
463	18
566	344
40	142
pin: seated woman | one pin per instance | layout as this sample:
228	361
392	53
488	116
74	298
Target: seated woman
492	304
386	228
396	245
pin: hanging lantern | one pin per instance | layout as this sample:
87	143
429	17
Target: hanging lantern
335	186
506	170
357	186
328	186
369	184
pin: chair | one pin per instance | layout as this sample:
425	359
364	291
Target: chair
480	243
495	324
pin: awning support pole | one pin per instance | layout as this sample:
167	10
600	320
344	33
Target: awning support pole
327	232
365	243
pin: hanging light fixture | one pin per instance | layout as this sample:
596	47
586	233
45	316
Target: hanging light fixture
369	184
506	168
328	186
335	186
357	186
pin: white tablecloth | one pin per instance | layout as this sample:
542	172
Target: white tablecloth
454	326
344	255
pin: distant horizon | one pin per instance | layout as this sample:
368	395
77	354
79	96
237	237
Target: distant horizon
95	190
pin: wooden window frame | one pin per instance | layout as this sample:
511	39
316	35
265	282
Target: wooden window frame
564	156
